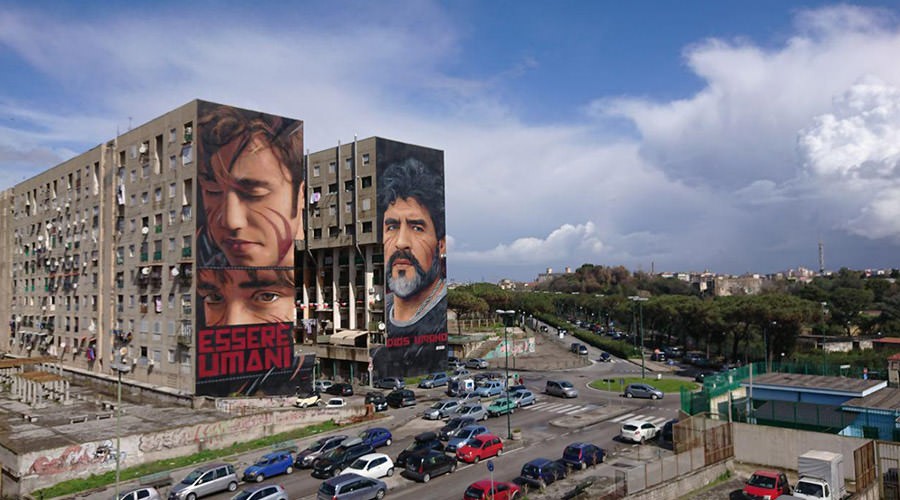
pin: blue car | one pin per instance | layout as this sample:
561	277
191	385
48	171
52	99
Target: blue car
460	436
270	464
376	437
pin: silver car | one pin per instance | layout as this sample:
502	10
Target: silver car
522	398
474	411
142	493
441	409
643	391
561	388
205	480
477	363
262	492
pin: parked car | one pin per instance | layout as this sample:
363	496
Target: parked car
667	434
401	398
480	447
376	437
481	490
342	389
489	388
453	424
377	400
453	361
766	484
460	373
561	388
658	356
351	487
605	357
390	383
475	411
421	442
702	374
638	431
574	347
441	409
426	465
332	463
522	398
318	447
643	391
142	493
501	406
268	465
464	434
205	480
581	455
262	492
322	385
307	401
543	471
335	403
477	363
373	465
434	380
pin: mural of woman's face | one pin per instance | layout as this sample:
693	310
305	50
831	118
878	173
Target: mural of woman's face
249	207
238	297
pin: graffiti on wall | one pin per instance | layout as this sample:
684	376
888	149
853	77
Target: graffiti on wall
78	457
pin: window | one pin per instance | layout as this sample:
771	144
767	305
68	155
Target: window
187	192
157	194
171	244
173	134
367	226
348	186
172	163
348	162
172	190
316	170
334	232
145	196
348	207
317	233
365	158
366	181
349	229
186	213
133	199
187	155
331	168
133	175
145	171
333	188
171	355
172	215
366	204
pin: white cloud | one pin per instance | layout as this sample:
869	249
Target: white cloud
567	241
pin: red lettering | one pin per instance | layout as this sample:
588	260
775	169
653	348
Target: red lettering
207	366
238	338
253	337
205	341
285	333
254	363
231	363
267	336
223	339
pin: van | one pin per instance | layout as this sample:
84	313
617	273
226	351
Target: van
205	480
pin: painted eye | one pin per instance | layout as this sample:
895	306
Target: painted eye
214	298
267	297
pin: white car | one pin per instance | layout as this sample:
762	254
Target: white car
373	465
323	385
335	403
639	431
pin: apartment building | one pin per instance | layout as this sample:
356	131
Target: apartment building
116	258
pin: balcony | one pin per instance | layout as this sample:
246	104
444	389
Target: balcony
185	340
120	260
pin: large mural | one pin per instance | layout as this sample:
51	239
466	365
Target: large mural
251	181
411	216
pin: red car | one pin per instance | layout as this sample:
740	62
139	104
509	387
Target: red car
766	485
480	490
483	446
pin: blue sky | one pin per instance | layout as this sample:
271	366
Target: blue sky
682	136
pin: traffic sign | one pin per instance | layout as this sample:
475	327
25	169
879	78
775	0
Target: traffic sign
490	464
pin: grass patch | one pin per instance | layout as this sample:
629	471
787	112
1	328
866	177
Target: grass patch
667	385
131	473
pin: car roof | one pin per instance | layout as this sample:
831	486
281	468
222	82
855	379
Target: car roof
578	445
472	427
343	479
636	423
766	473
207	467
373	456
351	442
256	487
539	461
382	429
484	437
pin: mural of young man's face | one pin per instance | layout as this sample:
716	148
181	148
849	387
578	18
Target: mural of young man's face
250	210
237	297
411	248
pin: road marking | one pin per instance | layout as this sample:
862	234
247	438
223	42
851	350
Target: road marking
576	410
623	418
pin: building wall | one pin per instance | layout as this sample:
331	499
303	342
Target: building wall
799	396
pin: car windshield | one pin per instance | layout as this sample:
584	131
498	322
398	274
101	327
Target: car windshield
437	406
629	427
530	470
810	489
192	477
474	492
358	464
417	445
565	384
335	453
572	453
466	434
243	495
761	481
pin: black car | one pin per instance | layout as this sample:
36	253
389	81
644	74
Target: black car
667	435
702	375
658	356
318	448
401	397
604	356
377	399
543	471
340	458
341	389
580	455
423	441
453	424
425	465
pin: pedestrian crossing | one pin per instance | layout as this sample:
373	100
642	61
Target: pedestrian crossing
561	408
653	419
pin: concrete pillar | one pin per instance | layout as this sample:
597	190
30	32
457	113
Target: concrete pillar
336	288
369	284
351	288
66	395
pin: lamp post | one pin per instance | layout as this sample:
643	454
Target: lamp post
507	316
120	367
640	301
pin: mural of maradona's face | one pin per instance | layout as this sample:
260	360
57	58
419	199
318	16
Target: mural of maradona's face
249	207
411	247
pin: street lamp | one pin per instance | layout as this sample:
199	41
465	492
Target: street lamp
120	367
640	301
508	317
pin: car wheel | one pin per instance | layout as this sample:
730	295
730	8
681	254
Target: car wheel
542	484
653	396
514	495
452	468
499	452
390	472
476	459
426	478
192	496
629	395
583	465
260	478
388	442
232	486
379	495
643	438
512	410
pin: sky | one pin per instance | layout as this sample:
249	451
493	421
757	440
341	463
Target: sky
731	137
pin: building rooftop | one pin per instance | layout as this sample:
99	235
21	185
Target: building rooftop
885	399
853	387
